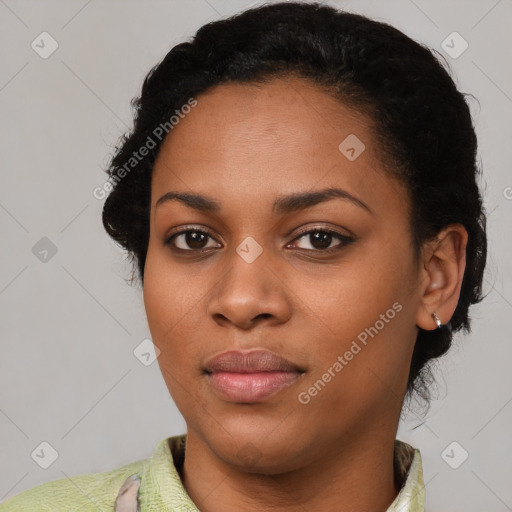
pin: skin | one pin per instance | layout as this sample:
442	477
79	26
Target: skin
245	145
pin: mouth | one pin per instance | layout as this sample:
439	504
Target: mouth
250	376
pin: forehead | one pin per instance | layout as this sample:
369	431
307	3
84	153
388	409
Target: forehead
250	141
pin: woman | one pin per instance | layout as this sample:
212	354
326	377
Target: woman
299	199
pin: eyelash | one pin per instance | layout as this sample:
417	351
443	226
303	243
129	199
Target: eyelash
344	239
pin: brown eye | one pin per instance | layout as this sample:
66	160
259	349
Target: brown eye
321	239
190	240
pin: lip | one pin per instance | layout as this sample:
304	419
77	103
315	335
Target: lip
250	376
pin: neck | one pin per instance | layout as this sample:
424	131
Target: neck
357	475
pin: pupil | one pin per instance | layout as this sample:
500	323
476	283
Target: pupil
195	239
321	239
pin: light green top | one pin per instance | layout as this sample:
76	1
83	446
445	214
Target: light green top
161	489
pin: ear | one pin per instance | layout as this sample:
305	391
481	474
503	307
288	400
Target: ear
443	265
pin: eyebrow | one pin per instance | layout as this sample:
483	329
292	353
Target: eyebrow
282	205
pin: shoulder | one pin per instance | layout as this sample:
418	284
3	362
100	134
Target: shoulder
90	492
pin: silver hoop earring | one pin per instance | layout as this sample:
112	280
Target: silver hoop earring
437	320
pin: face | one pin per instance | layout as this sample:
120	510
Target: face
285	324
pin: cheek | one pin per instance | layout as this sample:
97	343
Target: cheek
175	298
361	310
342	301
168	301
171	314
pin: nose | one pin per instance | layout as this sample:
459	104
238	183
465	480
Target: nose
249	294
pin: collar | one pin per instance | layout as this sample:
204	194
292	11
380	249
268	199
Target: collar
160	488
408	469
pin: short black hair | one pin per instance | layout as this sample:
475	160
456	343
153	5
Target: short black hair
422	124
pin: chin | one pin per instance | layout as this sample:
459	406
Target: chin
257	452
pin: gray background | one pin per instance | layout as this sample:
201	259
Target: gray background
68	375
